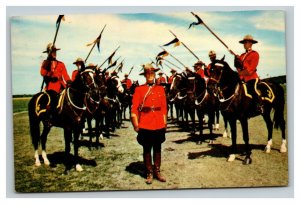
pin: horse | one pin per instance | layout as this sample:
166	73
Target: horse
127	99
181	93
205	103
111	104
66	113
237	104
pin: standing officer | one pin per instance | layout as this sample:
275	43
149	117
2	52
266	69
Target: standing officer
127	81
80	67
246	65
149	120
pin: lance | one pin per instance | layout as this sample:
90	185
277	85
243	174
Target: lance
60	17
97	41
109	57
186	47
172	64
130	70
173	56
118	65
112	65
200	21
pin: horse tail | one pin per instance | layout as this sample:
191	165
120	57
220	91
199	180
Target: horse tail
34	122
279	107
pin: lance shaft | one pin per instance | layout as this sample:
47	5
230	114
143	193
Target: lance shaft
173	56
95	43
130	70
215	35
172	64
108	57
186	47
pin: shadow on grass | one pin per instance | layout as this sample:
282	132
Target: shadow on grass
197	138
60	158
136	168
222	151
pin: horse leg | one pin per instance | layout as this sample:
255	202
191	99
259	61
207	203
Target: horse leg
232	123
244	124
269	123
76	133
192	115
200	116
283	147
68	139
217	126
44	135
226	133
211	120
89	123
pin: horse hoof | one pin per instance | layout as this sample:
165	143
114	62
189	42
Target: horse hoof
267	150
247	161
283	149
47	163
231	158
78	168
37	164
199	142
101	136
211	142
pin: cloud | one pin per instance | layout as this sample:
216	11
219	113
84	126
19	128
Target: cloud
273	21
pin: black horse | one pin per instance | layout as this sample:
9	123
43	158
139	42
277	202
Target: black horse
237	104
66	113
205	103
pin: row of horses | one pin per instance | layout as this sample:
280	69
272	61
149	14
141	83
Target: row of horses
91	96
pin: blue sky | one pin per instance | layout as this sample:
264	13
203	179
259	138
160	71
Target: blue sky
139	36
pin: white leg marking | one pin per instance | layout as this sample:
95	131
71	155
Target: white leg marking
101	136
37	160
217	126
231	158
283	148
268	147
44	155
225	133
78	168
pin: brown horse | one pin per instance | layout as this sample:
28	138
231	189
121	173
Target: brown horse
237	104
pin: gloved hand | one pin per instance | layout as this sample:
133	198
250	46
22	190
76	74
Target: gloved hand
238	63
69	82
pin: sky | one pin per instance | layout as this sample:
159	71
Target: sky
140	36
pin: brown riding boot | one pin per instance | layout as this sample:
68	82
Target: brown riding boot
148	165
157	162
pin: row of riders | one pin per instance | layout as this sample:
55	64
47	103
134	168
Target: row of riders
93	94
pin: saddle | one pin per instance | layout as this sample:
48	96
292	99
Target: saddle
262	89
45	100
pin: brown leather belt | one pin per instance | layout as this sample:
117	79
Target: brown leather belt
148	109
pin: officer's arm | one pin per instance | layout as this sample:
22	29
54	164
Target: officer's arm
134	121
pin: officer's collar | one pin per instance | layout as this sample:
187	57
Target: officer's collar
150	84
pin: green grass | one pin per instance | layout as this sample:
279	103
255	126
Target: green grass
20	104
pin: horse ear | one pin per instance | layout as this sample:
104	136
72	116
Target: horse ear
223	58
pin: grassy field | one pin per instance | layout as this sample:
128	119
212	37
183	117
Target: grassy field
117	165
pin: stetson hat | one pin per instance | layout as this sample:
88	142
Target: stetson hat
211	53
173	70
248	38
114	73
188	69
160	73
91	66
126	75
148	68
199	63
50	47
78	60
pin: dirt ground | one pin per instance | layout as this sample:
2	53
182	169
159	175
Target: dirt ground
118	163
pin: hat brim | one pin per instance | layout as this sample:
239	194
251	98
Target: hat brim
46	51
243	41
77	62
154	70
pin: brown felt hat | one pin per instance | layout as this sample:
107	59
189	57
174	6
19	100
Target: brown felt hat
148	68
248	38
78	60
50	47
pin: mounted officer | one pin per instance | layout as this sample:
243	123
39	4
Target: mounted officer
80	67
127	82
246	65
55	76
149	120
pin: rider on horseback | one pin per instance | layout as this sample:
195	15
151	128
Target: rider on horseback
246	65
127	82
80	67
55	76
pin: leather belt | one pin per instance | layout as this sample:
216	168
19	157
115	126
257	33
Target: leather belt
148	109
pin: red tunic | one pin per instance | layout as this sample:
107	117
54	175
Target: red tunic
59	71
74	74
155	99
171	79
200	72
160	80
250	61
127	82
